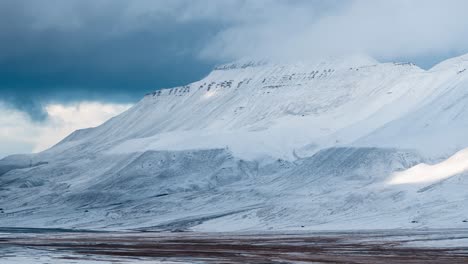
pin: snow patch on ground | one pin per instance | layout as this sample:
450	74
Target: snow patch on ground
424	173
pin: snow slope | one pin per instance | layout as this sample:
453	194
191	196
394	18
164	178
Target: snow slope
259	146
439	125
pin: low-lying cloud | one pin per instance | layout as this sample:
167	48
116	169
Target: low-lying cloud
20	134
384	29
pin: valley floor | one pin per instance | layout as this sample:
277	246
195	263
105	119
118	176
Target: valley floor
389	246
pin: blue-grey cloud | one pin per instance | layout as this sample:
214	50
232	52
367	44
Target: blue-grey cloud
97	55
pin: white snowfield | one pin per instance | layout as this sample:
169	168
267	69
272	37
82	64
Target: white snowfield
342	144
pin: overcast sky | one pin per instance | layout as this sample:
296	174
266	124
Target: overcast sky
72	56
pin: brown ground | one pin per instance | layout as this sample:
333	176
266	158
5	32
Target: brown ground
249	248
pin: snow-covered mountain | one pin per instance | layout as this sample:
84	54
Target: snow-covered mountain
341	144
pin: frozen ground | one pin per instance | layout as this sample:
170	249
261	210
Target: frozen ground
373	246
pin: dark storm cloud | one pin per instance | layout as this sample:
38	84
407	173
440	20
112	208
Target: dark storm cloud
122	67
95	55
